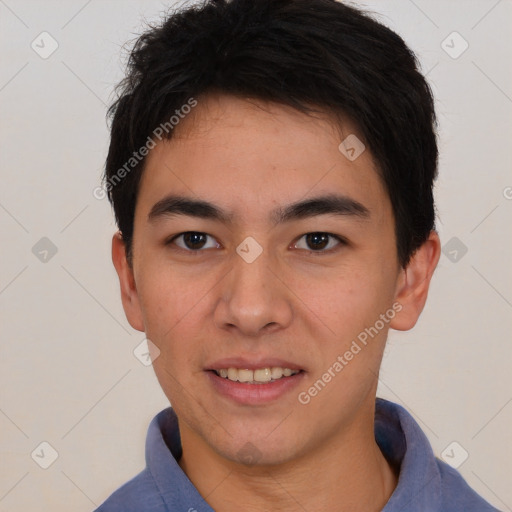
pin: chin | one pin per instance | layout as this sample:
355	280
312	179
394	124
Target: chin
258	450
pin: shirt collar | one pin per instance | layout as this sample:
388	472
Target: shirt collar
404	444
163	450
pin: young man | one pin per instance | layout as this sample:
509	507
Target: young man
271	169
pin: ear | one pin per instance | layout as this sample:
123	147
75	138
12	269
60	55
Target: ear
129	294
414	282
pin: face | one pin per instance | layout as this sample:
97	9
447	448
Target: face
255	282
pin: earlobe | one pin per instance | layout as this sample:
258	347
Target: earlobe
129	296
414	282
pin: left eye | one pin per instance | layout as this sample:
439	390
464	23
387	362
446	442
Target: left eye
318	241
193	241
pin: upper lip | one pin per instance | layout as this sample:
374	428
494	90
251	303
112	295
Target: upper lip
252	363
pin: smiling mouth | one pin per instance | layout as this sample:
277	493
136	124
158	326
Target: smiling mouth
258	376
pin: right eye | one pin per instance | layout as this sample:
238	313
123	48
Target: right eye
192	241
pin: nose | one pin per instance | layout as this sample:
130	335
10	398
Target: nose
255	300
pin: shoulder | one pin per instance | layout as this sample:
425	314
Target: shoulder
457	495
139	493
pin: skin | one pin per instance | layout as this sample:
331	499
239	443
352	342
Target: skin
249	157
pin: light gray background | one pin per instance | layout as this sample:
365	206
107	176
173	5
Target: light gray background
68	374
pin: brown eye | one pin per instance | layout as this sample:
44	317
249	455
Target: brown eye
319	241
193	241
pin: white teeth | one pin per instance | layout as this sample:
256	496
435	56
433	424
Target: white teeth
261	375
276	373
245	375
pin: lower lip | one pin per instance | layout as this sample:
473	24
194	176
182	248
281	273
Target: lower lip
254	394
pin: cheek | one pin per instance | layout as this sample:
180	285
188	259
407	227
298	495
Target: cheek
348	300
170	314
158	303
166	296
173	307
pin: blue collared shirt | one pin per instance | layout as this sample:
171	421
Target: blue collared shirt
425	484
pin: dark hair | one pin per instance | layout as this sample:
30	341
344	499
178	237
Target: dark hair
301	53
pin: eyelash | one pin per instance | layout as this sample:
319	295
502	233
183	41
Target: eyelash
341	241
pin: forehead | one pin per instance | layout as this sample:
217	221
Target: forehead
249	156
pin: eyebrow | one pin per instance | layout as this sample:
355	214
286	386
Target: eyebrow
330	204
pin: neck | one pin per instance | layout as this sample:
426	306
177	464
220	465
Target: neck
347	473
